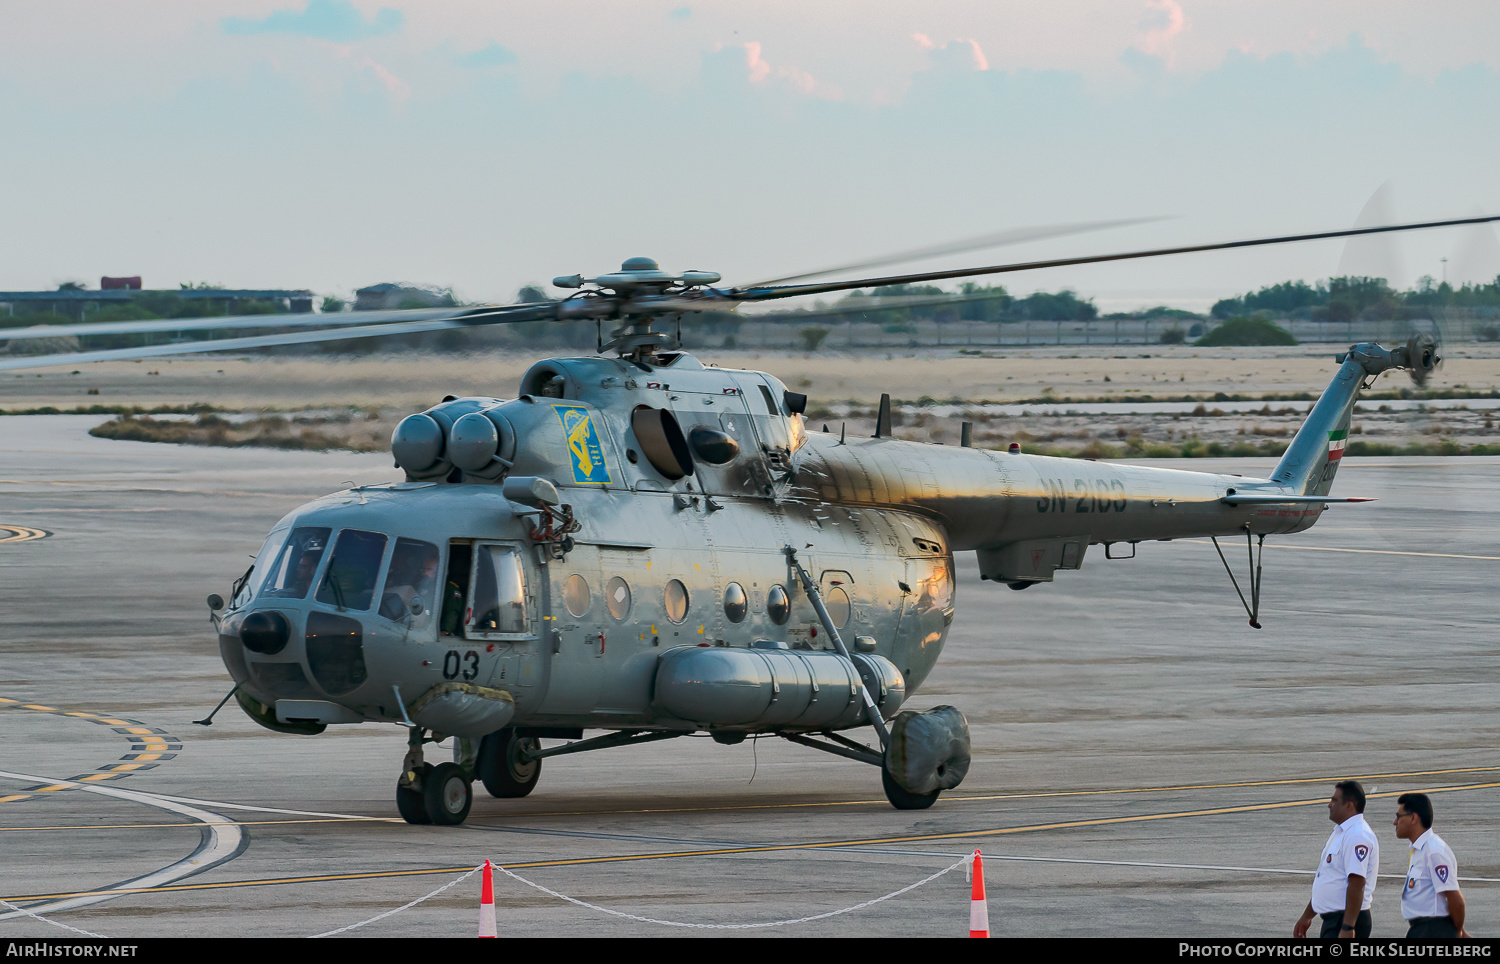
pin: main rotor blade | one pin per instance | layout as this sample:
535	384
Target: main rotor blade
304	320
851	306
997	240
793	291
532	313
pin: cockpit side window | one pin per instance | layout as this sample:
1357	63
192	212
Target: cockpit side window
290	575
410	592
499	594
257	572
349	582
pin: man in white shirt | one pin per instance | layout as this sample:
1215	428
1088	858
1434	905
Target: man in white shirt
1430	901
1350	862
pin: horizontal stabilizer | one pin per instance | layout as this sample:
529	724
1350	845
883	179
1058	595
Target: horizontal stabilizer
1283	499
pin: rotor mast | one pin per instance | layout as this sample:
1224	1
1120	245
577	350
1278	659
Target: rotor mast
636	297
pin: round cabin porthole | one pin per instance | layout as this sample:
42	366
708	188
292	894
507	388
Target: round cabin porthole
836	601
778	606
736	603
677	601
576	594
617	597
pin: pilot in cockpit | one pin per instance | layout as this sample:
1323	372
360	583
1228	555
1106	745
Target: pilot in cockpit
302	577
412	580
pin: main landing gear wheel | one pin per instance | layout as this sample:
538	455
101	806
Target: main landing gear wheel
905	799
502	766
409	802
447	794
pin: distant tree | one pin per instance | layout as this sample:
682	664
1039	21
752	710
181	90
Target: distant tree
983	302
332	304
1286	297
1162	311
532	293
1173	336
72	286
1228	308
1358	293
198	286
1062	306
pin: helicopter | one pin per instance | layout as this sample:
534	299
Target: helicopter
638	543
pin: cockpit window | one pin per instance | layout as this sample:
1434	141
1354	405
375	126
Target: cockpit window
410	592
349	582
258	570
290	576
499	592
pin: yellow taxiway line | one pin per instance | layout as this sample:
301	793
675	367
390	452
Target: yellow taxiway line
21	533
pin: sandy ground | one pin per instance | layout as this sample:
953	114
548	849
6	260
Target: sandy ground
413	382
358	401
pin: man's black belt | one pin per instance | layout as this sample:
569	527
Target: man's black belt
1429	920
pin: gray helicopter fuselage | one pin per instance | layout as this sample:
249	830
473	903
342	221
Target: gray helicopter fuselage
682	488
595	666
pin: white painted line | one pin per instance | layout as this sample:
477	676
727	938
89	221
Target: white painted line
1134	863
254	809
1368	552
221	842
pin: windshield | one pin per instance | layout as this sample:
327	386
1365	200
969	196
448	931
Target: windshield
290	575
350	580
262	562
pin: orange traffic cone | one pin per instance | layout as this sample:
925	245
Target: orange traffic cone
979	910
487	904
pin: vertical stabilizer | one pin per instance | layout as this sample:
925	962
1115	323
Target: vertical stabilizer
1311	460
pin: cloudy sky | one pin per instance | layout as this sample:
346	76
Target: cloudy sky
486	144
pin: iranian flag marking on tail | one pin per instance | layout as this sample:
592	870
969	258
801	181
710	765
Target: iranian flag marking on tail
1336	443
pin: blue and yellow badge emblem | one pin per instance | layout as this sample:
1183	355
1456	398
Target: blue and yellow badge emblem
589	467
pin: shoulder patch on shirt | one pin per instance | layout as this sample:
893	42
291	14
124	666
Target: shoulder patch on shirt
1442	872
1361	851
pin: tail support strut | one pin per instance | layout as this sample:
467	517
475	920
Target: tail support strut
1255	548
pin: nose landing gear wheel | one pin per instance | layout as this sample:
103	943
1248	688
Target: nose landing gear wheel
904	799
503	768
447	794
409	800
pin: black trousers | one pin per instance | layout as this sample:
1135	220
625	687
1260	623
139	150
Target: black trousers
1432	928
1332	922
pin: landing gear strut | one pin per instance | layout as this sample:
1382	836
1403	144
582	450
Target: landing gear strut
427	794
937	758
